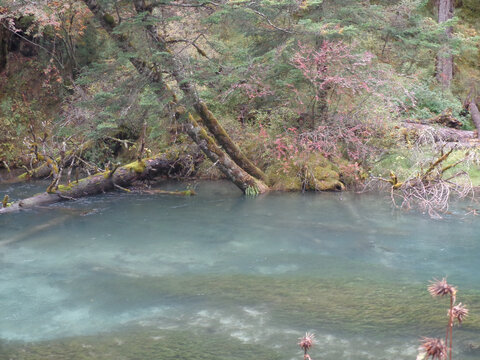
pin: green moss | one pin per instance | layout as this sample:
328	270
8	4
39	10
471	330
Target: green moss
471	169
109	19
283	179
314	172
23	176
396	161
64	188
136	166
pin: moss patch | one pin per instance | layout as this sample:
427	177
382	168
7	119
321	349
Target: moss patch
314	173
136	166
23	176
63	188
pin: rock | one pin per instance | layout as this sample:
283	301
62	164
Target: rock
472	347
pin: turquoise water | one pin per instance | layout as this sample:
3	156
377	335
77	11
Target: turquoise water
250	270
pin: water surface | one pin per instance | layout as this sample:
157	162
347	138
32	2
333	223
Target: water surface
230	274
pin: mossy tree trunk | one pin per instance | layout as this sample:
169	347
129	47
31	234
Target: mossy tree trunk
102	182
175	67
235	173
232	170
108	23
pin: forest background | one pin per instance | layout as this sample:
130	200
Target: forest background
284	95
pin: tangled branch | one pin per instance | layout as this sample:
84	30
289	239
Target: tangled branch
430	190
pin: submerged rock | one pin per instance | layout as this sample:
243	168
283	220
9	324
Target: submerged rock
472	347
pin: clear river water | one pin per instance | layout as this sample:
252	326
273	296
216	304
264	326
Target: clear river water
223	276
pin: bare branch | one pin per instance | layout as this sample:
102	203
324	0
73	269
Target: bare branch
262	15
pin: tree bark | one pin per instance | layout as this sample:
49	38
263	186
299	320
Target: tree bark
4	40
232	170
4	37
99	183
444	71
475	113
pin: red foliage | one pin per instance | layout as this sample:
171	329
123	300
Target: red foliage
334	68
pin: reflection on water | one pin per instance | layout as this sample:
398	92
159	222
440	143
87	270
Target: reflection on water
256	271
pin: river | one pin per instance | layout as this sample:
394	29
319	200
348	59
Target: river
223	276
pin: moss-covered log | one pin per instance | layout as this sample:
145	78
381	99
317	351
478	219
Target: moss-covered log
99	183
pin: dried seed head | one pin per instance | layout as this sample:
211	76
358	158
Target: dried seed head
441	288
458	312
307	341
434	348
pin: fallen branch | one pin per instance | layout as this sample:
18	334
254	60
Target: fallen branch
44	170
429	189
35	230
166	192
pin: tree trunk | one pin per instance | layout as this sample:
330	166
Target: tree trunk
475	113
4	36
107	22
444	71
99	183
232	170
175	67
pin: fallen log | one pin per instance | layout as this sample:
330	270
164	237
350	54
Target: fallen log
34	230
244	181
446	119
123	176
442	134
